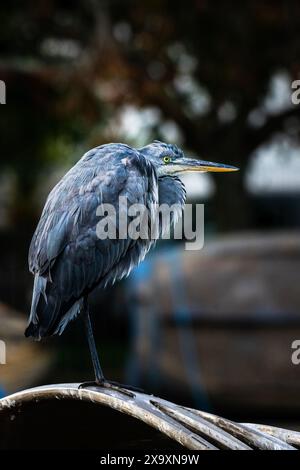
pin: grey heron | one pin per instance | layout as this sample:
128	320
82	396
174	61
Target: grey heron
67	258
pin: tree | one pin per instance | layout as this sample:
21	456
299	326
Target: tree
69	68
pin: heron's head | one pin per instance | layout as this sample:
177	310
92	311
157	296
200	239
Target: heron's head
168	159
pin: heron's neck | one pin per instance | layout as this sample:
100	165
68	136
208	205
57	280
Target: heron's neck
171	190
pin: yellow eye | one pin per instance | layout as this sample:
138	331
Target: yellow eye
166	159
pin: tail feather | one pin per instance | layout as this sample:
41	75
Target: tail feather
32	330
49	313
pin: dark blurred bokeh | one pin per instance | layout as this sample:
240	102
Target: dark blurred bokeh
213	328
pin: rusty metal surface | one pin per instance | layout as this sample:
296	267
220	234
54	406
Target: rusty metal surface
193	429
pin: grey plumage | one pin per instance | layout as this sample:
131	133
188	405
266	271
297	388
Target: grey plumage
66	256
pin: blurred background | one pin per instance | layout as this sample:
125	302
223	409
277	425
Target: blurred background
210	329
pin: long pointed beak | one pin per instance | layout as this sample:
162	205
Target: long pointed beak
201	165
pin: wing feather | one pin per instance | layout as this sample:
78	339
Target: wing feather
66	256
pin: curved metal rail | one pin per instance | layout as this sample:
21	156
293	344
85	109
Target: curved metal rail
193	429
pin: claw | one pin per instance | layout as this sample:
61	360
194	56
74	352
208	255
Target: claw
128	387
125	389
91	383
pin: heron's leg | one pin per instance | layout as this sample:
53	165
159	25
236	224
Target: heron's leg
99	377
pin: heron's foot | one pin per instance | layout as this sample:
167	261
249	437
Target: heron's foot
91	383
111	385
